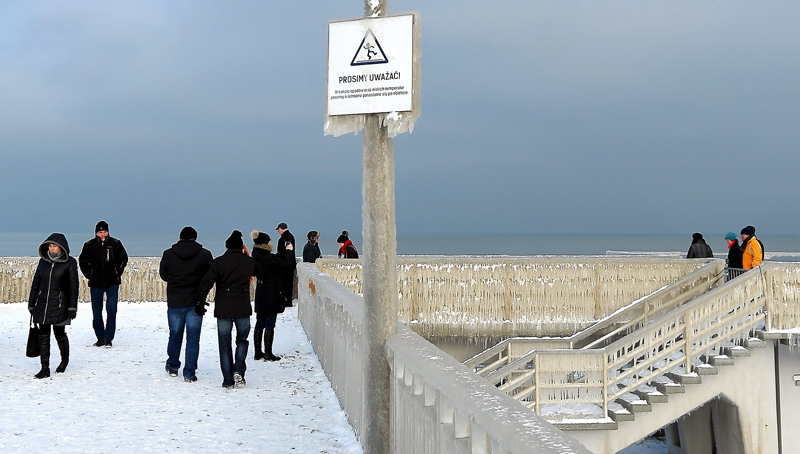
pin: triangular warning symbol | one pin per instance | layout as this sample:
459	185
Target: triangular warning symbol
369	52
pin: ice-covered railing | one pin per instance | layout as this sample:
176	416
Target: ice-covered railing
437	404
140	281
515	296
673	342
604	331
784	295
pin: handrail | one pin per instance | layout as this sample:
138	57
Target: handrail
672	341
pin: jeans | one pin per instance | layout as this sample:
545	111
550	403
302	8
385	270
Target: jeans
178	319
266	321
226	360
112	294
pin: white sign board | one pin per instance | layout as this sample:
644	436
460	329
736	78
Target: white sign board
370	65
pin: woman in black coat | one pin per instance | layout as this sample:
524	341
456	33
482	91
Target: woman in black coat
269	300
54	298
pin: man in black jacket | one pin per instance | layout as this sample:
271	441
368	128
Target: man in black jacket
102	262
231	273
699	248
182	267
287	254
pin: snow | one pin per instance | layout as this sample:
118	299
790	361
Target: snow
120	399
646	446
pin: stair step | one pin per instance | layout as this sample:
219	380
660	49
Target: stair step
636	406
684	379
706	369
720	360
621	415
652	397
736	352
668	388
772	335
754	343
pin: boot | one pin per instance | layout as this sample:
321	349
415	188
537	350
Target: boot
44	349
63	347
257	335
269	336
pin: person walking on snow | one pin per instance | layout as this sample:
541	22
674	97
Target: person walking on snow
699	248
287	253
53	300
269	300
102	261
231	273
182	267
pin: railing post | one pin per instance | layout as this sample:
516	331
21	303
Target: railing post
536	395
687	340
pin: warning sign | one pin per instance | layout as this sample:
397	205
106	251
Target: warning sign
369	52
370	65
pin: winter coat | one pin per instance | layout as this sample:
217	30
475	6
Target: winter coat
269	298
348	251
699	250
54	292
735	255
311	252
103	262
182	267
285	254
231	273
752	255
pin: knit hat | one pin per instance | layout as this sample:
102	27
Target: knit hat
749	231
234	241
188	233
752	229
259	237
730	236
697	236
282	226
342	239
101	226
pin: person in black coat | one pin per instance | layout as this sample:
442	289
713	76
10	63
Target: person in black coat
734	255
182	267
699	249
346	248
269	301
311	250
231	273
102	261
53	300
286	253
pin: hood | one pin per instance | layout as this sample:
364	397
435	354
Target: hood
57	239
187	249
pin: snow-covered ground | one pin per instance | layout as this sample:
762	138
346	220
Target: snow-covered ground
120	399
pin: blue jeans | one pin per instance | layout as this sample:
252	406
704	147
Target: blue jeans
266	321
226	360
178	319
104	332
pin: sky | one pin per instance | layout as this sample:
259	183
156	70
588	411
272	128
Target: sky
537	117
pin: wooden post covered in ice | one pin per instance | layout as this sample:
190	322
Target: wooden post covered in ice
379	269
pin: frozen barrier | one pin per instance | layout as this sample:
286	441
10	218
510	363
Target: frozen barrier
438	404
140	281
516	296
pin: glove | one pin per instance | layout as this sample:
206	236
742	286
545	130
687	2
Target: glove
200	308
73	314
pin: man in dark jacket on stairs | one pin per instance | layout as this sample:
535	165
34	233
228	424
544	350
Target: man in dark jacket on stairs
231	273
182	267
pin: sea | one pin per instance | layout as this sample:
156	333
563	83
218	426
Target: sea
138	244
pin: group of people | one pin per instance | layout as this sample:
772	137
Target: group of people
190	272
746	256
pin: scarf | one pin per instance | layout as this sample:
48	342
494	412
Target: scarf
343	249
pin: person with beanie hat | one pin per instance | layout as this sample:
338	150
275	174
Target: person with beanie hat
287	253
182	267
734	255
311	250
346	248
269	300
53	301
752	253
102	261
231	274
699	248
